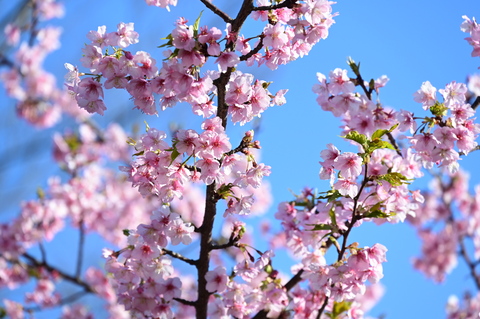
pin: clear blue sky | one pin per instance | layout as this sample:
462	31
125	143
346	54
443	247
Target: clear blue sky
409	41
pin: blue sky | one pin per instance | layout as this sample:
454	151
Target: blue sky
409	41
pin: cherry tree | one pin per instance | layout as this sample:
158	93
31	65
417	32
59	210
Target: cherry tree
161	207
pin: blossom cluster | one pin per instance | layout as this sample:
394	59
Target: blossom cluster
308	232
454	211
149	276
39	101
162	170
438	140
178	80
471	26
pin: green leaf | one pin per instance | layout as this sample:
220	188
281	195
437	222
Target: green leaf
196	25
331	195
339	308
321	227
378	214
174	154
375	145
380	133
73	142
40	193
169	42
131	141
355	68
357	137
394	178
173	55
225	190
333	218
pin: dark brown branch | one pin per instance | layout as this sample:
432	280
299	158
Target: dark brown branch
221	83
394	143
359	81
294	280
322	309
476	148
217	11
471	265
254	51
81	242
355	217
476	103
64	301
36	263
185	302
285	4
179	257
243	13
201	305
43	253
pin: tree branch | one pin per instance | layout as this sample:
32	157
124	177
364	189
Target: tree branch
471	265
179	257
225	17
81	241
476	103
254	51
285	4
203	262
36	263
64	301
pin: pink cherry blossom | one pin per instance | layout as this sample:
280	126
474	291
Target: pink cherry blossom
426	95
349	164
217	279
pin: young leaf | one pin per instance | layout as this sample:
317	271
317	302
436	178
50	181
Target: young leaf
339	308
357	137
196	25
394	178
320	227
378	214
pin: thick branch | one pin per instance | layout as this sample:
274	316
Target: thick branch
243	13
201	305
221	83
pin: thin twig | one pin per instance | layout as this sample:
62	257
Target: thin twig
471	265
185	302
81	242
285	4
36	263
322	309
179	257
43	253
64	301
